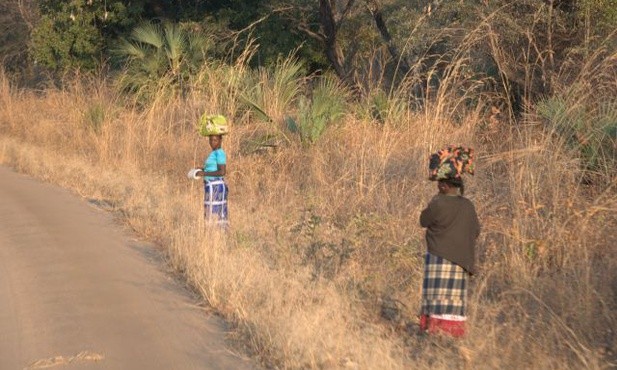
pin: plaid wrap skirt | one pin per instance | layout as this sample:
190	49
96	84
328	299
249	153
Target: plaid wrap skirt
444	289
444	293
215	201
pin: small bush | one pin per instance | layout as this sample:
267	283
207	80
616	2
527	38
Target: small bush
590	131
94	117
315	114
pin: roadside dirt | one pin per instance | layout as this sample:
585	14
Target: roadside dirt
78	292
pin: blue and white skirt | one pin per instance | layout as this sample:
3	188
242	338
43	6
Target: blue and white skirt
215	201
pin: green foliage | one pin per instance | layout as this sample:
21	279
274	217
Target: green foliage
60	43
94	117
270	26
274	92
592	132
601	16
271	91
74	34
328	104
160	57
384	108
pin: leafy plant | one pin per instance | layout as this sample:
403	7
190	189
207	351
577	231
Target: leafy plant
60	43
94	117
272	91
592	132
384	108
314	115
599	15
75	34
160	56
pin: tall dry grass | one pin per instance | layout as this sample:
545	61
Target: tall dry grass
325	238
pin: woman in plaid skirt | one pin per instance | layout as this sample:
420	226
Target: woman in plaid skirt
452	228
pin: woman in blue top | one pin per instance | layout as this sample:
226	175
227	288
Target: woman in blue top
215	188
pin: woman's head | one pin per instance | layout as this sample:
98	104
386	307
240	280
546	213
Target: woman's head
451	186
215	141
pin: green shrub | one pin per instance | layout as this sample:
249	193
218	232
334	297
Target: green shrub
272	91
328	103
590	130
60	43
94	117
75	34
160	59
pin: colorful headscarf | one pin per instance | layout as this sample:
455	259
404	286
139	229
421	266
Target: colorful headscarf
451	163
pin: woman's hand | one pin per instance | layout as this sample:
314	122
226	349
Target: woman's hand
193	173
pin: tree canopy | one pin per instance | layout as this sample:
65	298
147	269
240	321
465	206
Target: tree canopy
360	40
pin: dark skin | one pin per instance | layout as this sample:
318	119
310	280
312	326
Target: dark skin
215	143
446	188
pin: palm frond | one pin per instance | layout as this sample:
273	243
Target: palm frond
329	98
175	44
286	81
149	34
260	111
129	50
198	47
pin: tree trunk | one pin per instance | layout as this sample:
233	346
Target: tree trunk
403	65
330	27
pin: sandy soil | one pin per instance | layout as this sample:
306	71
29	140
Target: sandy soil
78	292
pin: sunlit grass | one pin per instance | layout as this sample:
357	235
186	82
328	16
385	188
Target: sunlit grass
323	235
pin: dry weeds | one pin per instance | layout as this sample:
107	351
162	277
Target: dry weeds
323	237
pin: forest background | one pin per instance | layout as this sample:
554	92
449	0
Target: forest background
335	107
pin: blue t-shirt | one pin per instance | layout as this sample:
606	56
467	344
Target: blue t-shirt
213	161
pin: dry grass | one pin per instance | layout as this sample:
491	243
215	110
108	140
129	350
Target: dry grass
84	356
323	236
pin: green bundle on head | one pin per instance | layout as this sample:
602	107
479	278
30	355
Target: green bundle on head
213	125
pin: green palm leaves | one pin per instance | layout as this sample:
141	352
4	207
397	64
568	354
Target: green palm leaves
589	128
271	92
306	106
160	58
327	104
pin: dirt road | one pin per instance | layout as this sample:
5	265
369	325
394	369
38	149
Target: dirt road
77	292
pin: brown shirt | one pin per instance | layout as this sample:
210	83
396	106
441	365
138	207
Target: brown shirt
452	228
